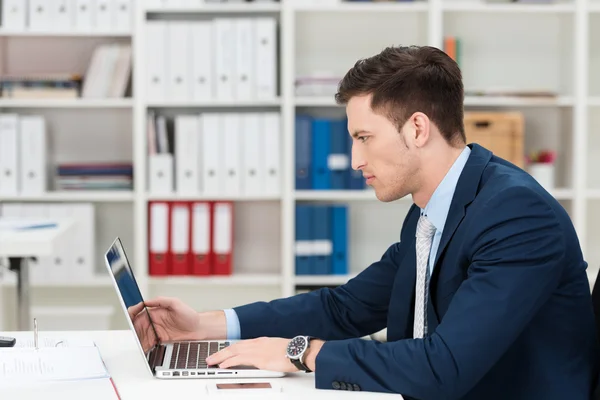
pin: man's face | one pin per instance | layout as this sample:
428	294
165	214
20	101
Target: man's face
385	156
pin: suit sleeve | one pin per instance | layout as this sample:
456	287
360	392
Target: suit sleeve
518	254
355	309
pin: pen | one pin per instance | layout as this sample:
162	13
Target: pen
35	333
115	387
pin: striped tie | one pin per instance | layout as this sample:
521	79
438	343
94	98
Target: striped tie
425	231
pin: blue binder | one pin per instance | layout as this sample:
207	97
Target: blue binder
321	141
340	159
321	236
303	152
304	259
339	264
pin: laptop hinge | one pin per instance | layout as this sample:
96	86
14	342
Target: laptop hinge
157	356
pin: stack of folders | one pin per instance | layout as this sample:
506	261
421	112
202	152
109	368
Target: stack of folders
224	59
321	239
23	160
190	238
95	176
66	15
40	86
323	155
231	154
108	74
183	4
74	258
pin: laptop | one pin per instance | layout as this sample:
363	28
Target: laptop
170	360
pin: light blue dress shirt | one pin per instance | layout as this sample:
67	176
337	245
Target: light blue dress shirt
436	211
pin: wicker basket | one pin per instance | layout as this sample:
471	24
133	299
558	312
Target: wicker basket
499	132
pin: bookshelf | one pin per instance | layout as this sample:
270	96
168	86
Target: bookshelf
553	46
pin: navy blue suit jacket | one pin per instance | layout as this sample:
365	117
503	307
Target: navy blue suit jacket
510	311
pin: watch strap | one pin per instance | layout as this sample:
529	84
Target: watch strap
300	365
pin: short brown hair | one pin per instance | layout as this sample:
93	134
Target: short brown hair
407	79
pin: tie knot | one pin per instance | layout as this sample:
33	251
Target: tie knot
425	229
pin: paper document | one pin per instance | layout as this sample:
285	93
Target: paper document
51	364
54	342
93	389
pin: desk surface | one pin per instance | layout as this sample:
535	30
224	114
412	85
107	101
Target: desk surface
31	242
126	365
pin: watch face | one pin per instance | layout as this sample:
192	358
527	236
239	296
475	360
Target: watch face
296	346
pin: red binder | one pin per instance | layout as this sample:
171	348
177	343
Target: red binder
158	238
201	228
222	243
180	251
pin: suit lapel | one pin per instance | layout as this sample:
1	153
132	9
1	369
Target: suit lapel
466	190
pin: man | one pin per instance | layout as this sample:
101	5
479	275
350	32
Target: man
485	296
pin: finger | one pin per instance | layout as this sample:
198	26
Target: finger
224	354
135	309
236	361
162	302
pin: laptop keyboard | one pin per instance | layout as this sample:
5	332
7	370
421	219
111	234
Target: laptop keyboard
193	355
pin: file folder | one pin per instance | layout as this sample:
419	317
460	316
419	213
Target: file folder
222	238
303	152
338	160
158	237
339	216
180	238
321	235
201	237
321	139
304	248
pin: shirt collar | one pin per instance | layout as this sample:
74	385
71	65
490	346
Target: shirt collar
437	208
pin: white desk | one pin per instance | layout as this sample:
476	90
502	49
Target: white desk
19	245
126	365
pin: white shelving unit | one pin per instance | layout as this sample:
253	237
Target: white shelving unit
525	46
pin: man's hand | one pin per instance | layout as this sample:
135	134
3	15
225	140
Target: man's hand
263	353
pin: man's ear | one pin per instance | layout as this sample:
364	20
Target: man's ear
420	125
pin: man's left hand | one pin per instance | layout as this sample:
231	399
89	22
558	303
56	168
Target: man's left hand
263	353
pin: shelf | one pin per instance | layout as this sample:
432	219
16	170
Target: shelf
322	280
336	195
470	101
199	197
240	279
75	195
450	6
91	34
66	103
563	194
219	9
9	279
215	104
594	101
417	6
509	101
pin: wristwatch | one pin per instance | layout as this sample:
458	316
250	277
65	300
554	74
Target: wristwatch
296	351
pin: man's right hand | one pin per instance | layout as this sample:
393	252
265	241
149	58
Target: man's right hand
174	320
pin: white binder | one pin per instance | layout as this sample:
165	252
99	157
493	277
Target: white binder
232	149
57	267
252	154
82	256
103	11
225	55
156	63
160	173
40	268
187	154
14	15
122	15
179	61
9	150
32	154
270	131
202	74
244	77
266	57
61	14
39	15
83	19
212	154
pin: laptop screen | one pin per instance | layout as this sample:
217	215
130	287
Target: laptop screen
128	288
